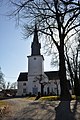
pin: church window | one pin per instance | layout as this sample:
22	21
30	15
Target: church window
24	90
34	85
24	84
34	58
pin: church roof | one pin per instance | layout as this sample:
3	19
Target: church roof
23	76
52	75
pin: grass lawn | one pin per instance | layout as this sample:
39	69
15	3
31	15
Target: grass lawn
2	103
30	98
53	98
49	98
3	108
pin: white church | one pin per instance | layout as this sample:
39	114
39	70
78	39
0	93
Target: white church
36	80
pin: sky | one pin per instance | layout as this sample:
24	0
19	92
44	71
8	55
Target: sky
14	49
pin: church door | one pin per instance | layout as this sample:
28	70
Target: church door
35	90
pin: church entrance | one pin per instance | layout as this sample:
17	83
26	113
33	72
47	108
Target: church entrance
35	90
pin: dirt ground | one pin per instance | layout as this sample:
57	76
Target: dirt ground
22	109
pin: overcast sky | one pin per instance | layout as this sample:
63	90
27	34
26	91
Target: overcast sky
13	49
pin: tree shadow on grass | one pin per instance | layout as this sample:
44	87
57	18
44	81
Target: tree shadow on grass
37	111
47	110
63	111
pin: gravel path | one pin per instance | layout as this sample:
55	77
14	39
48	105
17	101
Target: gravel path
21	109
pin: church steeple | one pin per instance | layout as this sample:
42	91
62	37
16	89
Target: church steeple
35	44
35	39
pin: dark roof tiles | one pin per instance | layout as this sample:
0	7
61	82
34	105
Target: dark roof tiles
23	76
52	75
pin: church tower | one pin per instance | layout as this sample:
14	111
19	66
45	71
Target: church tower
35	65
31	82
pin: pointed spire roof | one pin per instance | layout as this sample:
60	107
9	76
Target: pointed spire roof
35	44
35	39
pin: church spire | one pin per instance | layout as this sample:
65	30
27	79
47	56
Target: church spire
35	44
35	39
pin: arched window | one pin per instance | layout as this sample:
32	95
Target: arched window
24	84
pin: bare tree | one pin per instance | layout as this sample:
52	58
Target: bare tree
41	78
8	85
73	63
13	85
2	81
56	19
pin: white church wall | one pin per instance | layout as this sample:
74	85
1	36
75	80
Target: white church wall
45	89
53	86
33	84
35	65
22	88
37	85
30	84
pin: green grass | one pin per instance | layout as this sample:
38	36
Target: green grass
2	103
49	98
53	98
29	98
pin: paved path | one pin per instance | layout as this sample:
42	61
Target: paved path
20	109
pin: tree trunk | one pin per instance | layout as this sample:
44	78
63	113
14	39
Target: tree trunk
77	79
76	85
65	95
42	88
